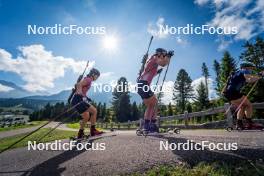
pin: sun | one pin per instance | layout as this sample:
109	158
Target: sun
110	43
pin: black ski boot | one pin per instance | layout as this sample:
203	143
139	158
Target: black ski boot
239	125
153	126
80	134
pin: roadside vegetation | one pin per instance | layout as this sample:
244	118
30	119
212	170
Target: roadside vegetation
55	135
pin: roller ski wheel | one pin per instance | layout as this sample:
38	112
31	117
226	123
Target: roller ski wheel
75	138
139	132
177	131
145	132
229	129
168	130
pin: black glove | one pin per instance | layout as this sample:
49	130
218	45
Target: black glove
159	71
170	53
89	99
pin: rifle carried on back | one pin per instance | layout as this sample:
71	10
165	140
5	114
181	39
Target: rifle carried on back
78	80
145	57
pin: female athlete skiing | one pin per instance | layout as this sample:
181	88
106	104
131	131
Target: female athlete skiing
160	58
232	91
83	103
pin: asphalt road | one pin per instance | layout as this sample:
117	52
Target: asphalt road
127	153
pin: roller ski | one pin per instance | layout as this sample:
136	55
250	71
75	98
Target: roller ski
249	125
152	129
80	137
94	133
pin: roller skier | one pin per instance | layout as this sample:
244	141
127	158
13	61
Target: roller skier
83	104
232	92
150	70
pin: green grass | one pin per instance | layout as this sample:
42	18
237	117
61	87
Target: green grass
202	169
14	127
55	135
73	125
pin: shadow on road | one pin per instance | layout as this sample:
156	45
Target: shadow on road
51	166
193	157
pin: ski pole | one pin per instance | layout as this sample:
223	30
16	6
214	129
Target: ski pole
158	98
243	101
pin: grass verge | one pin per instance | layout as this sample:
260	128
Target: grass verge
55	135
30	124
205	169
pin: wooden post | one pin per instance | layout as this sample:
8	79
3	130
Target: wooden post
186	118
228	113
158	122
141	123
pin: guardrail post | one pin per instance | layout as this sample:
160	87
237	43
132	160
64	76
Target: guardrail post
118	125
141	123
228	114
186	118
158	122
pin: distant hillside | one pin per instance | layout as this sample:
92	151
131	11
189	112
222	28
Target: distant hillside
20	96
104	97
25	103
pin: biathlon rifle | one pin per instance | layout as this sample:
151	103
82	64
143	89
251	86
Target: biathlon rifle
145	57
78	80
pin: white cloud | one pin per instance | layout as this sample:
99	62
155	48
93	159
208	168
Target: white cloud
246	15
168	92
168	89
154	29
201	2
4	88
181	41
212	92
38	67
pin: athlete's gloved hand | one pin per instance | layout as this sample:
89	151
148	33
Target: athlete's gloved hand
159	71
85	99
89	99
170	53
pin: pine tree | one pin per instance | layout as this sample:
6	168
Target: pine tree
217	70
228	65
183	90
202	100
205	73
121	101
135	115
103	111
170	110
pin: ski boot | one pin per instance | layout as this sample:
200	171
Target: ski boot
150	127
239	125
80	136
95	132
250	125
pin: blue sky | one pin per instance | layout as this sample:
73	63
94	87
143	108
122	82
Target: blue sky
129	21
